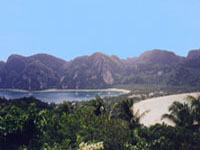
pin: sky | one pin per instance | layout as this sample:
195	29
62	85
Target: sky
70	28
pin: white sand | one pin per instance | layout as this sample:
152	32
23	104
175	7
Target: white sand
86	90
73	90
157	107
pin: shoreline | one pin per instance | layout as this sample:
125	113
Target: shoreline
158	106
71	90
86	90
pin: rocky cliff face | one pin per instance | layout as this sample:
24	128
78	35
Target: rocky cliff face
193	54
44	71
32	73
95	71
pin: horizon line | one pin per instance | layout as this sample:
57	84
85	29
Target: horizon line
97	52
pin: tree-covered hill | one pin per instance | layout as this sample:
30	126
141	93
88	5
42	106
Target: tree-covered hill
99	70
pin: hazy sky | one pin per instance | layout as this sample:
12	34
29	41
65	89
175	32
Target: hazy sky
70	28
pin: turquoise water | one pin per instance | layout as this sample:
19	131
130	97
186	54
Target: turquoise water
59	96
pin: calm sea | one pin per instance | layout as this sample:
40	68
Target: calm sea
59	96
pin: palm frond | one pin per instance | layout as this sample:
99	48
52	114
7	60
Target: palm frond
171	117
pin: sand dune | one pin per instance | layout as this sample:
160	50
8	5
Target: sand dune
157	107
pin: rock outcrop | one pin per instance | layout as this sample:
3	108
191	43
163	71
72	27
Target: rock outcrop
43	71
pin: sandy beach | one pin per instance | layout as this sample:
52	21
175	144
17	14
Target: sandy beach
73	90
86	90
157	107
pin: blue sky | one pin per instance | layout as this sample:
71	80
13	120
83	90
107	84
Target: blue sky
70	28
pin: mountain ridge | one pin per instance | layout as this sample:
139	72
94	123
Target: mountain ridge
44	71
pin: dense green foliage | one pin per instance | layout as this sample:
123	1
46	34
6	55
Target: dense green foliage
31	124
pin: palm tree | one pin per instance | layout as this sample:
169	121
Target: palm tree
181	114
135	121
124	110
195	106
98	105
185	114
